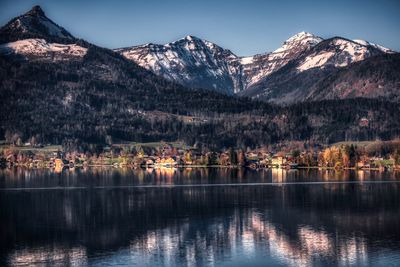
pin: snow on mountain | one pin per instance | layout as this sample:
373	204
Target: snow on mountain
259	66
33	24
338	52
34	36
190	61
382	48
194	62
312	74
198	63
41	49
296	43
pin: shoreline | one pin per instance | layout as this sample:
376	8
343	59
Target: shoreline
197	167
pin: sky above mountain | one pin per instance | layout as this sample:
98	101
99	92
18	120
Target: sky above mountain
246	27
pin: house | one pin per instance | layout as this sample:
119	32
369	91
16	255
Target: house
58	163
364	122
165	162
278	161
363	165
252	155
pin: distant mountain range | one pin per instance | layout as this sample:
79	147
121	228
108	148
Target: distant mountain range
294	72
305	68
61	89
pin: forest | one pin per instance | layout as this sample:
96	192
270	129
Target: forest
104	98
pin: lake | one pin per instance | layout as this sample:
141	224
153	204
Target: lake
199	217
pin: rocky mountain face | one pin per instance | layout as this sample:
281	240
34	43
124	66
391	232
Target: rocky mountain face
284	76
257	67
301	79
190	61
34	24
198	63
34	36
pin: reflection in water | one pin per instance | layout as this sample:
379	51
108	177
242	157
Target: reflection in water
43	255
295	225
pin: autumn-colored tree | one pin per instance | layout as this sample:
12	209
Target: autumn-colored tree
223	159
345	152
327	156
140	152
188	157
331	156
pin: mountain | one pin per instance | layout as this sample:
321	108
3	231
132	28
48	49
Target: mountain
63	90
34	24
257	67
36	37
298	79
198	63
191	61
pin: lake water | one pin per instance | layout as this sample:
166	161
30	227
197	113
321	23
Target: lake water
199	217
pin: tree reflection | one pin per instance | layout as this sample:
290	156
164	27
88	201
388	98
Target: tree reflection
291	224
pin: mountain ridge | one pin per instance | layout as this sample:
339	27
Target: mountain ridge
34	24
228	70
245	75
198	63
296	80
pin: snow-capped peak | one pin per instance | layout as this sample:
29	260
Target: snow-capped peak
301	39
191	38
366	43
339	52
190	60
300	36
187	38
196	62
33	24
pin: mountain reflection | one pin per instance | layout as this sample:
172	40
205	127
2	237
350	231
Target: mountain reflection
296	224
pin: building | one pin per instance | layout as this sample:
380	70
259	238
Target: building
278	161
165	162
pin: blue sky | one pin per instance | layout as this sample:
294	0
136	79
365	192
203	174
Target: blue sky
246	27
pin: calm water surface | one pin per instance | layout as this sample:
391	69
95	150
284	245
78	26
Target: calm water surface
199	217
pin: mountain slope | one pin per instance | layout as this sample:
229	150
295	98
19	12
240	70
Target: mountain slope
362	79
298	79
40	49
190	61
34	36
34	24
257	67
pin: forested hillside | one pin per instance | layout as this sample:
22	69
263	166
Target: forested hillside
105	96
61	90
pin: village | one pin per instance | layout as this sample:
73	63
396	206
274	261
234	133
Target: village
175	154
